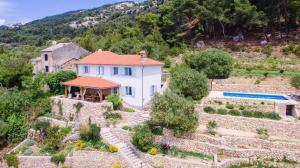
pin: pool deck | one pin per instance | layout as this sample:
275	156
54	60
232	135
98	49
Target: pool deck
219	94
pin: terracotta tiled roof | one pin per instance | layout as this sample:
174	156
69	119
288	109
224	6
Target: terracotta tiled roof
91	82
110	58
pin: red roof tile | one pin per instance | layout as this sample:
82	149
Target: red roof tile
110	58
91	82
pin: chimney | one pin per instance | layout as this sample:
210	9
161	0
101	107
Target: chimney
143	55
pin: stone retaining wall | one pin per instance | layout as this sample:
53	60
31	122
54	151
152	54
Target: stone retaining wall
252	105
64	108
56	122
245	142
80	159
269	85
202	147
282	129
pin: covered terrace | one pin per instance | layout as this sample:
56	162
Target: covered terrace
93	89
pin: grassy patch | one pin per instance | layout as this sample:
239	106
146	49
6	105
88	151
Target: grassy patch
261	73
176	152
129	110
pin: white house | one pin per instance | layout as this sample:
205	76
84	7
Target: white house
135	77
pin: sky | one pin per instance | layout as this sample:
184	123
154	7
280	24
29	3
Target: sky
23	11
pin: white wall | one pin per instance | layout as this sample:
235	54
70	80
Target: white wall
142	88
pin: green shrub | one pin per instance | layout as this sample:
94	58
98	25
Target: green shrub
155	129
222	111
54	139
257	82
127	128
234	112
28	152
142	137
213	62
129	110
168	63
258	114
189	83
115	100
78	107
17	129
272	115
58	158
289	49
229	106
262	132
89	132
54	80
11	160
267	50
209	109
242	107
65	130
3	132
297	51
246	113
41	125
174	112
295	81
211	126
112	115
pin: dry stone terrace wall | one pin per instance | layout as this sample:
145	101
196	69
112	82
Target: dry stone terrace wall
202	147
80	159
64	107
255	105
275	85
275	128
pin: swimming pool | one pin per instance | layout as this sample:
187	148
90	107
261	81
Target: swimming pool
254	96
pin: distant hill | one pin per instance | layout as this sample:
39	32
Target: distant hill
72	23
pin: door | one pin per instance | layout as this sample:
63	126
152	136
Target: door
289	110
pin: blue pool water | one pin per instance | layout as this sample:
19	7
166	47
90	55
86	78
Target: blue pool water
254	96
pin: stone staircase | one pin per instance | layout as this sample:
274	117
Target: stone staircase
126	152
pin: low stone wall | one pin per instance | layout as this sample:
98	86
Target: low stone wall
90	111
202	147
79	159
245	142
270	85
95	159
282	129
168	162
254	105
56	122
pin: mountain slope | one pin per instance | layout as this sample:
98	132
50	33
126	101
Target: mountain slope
71	24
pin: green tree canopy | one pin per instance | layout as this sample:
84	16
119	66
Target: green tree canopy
174	112
215	63
54	80
189	82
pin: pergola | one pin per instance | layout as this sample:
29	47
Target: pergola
102	86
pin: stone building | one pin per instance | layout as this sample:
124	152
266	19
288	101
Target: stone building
57	57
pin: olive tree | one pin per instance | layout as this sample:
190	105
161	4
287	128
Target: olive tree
215	63
174	112
189	83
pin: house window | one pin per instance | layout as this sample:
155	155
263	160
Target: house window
128	91
153	90
115	70
86	69
128	71
46	57
115	90
100	70
46	69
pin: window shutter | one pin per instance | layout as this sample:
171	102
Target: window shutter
133	92
121	91
133	72
102	70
